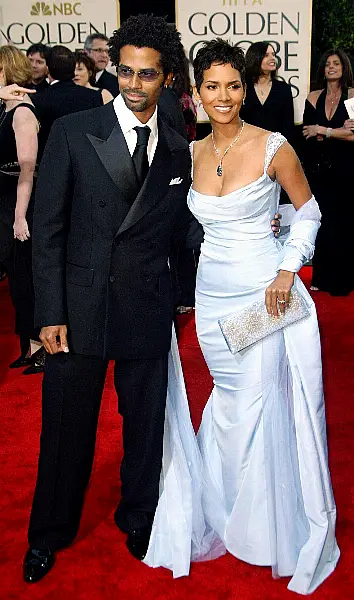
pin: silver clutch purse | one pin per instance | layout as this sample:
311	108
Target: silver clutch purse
252	324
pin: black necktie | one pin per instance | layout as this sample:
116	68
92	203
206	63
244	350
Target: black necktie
140	157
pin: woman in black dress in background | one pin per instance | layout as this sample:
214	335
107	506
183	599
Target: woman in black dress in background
269	102
18	153
328	162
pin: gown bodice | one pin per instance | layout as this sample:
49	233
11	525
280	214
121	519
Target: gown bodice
243	215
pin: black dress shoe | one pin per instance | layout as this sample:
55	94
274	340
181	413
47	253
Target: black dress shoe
138	541
33	369
37	364
21	361
37	564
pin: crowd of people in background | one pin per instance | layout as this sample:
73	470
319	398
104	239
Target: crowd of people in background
65	82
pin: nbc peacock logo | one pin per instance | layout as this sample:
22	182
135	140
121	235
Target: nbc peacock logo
46	9
41	8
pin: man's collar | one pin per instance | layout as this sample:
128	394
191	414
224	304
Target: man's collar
128	120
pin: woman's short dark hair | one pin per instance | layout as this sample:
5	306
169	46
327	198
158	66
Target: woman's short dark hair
81	58
254	56
219	52
346	80
148	31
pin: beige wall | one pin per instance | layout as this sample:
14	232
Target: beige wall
26	22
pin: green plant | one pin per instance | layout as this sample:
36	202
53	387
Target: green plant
332	26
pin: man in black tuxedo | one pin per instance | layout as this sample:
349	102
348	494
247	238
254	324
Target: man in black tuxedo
96	46
111	195
63	96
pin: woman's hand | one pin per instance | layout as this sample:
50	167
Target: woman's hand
277	296
14	92
309	131
275	224
21	231
349	124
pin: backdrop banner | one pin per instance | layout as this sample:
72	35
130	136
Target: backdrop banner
24	22
286	24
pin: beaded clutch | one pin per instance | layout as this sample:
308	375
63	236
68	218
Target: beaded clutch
254	323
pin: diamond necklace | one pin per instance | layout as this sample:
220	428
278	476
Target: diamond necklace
221	157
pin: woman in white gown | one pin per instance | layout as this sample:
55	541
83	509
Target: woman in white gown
258	485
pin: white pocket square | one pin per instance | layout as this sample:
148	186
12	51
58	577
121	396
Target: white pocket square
176	181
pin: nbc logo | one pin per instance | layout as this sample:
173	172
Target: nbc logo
60	8
41	7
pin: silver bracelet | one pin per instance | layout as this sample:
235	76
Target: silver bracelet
328	132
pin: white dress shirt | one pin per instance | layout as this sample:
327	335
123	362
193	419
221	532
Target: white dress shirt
98	74
127	121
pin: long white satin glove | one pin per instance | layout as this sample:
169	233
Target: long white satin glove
299	246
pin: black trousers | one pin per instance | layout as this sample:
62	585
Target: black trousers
16	257
72	390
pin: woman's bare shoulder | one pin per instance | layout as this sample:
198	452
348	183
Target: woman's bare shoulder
256	134
314	96
23	109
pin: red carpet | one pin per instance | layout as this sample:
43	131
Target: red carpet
98	566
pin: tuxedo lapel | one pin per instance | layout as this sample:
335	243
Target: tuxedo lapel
156	183
115	157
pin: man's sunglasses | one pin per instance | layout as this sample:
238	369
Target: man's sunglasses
143	74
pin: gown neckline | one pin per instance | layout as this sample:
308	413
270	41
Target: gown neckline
237	190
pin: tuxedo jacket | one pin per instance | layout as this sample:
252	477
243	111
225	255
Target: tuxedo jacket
40	87
101	244
109	82
62	98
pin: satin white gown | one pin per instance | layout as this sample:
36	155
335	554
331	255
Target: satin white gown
256	482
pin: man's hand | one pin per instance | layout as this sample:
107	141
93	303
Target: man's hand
54	338
14	92
276	224
277	296
349	124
